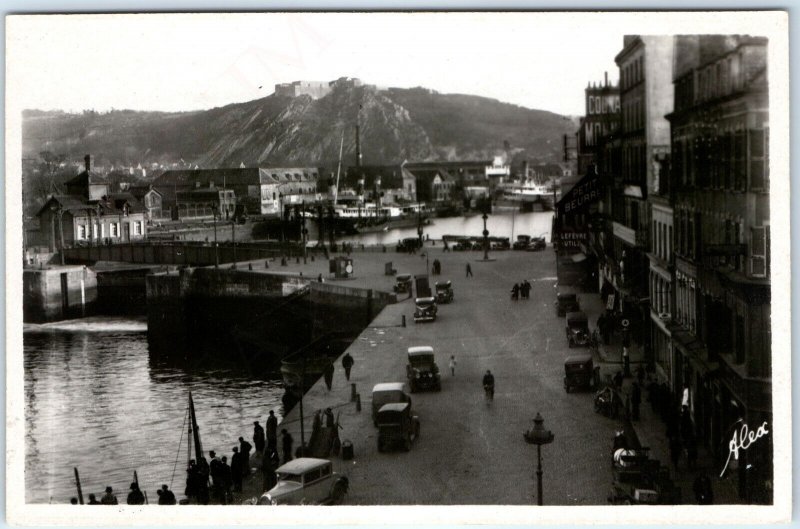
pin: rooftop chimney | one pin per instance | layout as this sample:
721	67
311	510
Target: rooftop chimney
87	161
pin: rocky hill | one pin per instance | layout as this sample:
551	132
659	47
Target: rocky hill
396	124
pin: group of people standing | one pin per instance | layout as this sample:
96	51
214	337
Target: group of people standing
521	289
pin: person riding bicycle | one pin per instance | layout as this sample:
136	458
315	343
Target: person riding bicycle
488	384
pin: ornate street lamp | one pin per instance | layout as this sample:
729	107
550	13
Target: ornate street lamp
538	436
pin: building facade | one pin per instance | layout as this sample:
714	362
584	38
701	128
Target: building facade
720	174
601	120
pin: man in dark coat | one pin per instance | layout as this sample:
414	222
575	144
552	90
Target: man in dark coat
259	439
201	485
165	496
287	441
272	431
225	480
328	375
269	478
109	498
215	471
244	449
236	470
347	364
135	496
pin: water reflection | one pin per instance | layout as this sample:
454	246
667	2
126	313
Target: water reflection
94	401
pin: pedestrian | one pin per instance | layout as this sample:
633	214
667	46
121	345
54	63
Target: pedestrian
93	500
691	454
286	439
675	449
636	400
191	480
135	496
201	484
272	431
446	247
687	426
236	470
259	439
244	449
618	380
515	291
469	270
268	477
328	375
329	420
452	365
525	288
347	364
702	490
215	472
109	498
227	480
166	496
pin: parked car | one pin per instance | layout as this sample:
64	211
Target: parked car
536	244
385	393
566	300
579	372
425	309
397	426
304	481
402	283
522	242
444	292
409	243
577	329
421	370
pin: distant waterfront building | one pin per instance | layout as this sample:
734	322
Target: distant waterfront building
152	201
89	213
315	89
261	190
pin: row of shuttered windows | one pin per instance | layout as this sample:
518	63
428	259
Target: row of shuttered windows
98	231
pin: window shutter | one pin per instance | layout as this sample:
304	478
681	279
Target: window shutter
758	251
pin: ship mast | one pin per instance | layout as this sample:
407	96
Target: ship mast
338	171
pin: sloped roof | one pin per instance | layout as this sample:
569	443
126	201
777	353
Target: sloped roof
235	176
113	204
140	191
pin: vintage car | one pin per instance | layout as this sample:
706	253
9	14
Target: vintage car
522	242
385	393
421	370
306	481
425	309
566	300
397	426
409	243
402	283
444	292
579	372
536	244
576	328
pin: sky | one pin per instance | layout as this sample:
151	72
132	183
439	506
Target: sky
179	62
174	62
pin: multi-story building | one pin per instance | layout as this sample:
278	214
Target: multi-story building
643	143
90	214
720	179
261	190
601	119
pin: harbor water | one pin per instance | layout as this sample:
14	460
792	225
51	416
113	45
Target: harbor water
95	401
500	224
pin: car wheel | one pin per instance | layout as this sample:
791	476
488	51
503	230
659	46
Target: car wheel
338	492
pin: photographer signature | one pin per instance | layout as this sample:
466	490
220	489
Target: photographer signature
743	439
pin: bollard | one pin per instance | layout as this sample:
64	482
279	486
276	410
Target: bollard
404	320
358	401
353	392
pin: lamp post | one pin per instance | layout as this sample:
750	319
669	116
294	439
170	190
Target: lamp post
538	436
214	210
485	237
